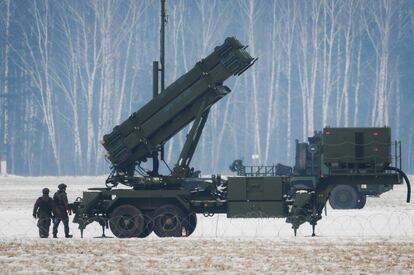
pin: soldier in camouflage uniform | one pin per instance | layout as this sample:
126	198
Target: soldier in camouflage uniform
62	209
43	210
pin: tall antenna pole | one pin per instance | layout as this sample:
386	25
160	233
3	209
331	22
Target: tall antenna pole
162	44
155	70
162	55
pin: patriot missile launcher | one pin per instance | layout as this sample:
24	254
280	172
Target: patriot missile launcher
168	204
188	98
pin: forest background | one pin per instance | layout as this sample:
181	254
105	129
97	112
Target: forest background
73	69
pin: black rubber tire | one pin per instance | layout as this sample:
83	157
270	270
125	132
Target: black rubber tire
362	201
126	221
168	221
190	223
343	197
148	227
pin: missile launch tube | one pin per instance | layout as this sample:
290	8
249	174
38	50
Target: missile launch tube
138	137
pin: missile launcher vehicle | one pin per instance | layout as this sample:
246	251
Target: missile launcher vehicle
168	204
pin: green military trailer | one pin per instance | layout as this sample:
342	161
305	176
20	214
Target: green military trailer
355	162
168	204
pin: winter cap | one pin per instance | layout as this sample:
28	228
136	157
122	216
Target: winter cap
62	186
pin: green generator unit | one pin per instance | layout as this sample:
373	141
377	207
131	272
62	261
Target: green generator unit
366	150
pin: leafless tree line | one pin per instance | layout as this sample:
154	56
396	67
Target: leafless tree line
71	70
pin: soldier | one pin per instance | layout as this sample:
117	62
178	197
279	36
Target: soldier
62	210
43	209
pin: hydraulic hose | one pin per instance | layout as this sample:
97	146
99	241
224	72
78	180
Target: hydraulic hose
407	181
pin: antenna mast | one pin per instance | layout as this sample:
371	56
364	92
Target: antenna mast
162	44
156	69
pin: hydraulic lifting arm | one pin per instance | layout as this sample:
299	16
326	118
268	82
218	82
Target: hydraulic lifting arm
182	167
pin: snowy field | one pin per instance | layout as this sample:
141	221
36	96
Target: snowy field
376	239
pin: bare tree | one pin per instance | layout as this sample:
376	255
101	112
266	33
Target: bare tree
37	65
349	9
272	110
252	13
308	62
329	38
72	88
5	93
379	32
357	85
290	29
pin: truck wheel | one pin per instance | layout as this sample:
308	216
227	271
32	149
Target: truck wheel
148	227
126	221
168	221
190	223
362	201
343	197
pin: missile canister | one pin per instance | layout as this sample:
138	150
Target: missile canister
138	137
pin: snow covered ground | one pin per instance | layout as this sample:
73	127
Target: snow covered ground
376	239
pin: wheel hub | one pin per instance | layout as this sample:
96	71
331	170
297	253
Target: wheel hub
126	222
169	221
344	197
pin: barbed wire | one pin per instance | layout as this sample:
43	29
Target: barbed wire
353	224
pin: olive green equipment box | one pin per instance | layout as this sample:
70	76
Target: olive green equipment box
260	197
350	149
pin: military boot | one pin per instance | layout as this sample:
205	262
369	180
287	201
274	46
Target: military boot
68	236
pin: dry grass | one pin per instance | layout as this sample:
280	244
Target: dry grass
206	256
